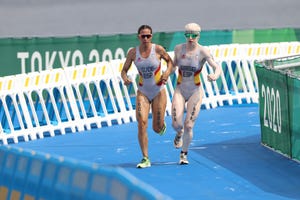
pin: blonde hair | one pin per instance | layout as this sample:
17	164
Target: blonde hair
192	28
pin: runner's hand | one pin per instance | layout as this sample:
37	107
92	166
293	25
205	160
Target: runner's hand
211	77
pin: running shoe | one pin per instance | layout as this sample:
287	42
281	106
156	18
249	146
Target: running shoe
183	159
177	141
163	130
145	162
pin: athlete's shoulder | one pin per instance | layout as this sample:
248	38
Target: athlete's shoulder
131	53
203	49
132	50
179	47
159	47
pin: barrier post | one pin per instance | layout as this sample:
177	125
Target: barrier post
294	99
273	109
279	85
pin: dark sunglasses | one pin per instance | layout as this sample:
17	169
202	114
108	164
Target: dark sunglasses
146	36
191	35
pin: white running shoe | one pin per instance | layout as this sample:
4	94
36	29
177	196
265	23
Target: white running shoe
183	159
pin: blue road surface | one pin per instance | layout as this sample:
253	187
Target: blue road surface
227	160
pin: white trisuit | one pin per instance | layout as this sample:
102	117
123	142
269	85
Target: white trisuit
150	72
188	90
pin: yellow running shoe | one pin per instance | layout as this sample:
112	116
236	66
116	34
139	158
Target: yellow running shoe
145	162
163	130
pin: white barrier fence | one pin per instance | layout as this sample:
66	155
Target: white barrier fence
77	98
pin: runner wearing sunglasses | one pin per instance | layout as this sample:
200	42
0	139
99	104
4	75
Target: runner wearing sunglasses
151	92
189	57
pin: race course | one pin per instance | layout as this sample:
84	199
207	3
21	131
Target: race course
226	158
